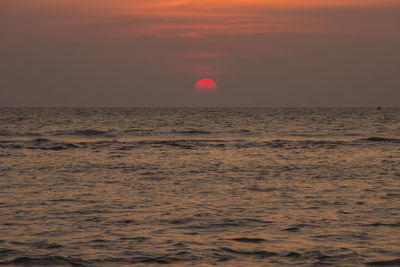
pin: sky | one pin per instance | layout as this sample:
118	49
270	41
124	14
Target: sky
151	53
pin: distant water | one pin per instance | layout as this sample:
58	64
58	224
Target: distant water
231	187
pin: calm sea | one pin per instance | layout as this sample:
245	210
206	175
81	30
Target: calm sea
199	187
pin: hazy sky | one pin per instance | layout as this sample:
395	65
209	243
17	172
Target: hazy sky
152	52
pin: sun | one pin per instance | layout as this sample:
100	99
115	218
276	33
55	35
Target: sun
206	86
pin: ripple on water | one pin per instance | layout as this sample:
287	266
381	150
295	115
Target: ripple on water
394	262
234	187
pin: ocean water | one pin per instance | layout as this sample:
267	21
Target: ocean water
199	187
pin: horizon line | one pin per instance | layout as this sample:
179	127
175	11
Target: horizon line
202	107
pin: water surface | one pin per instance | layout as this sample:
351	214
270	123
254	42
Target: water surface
229	187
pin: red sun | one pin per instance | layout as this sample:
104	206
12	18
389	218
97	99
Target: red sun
206	85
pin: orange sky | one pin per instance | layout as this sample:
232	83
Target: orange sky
195	38
199	18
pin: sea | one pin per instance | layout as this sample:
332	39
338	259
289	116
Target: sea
199	187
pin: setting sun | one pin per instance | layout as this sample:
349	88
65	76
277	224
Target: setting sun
206	85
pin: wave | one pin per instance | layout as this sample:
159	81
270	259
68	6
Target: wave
39	143
47	144
88	132
380	139
43	143
394	262
186	257
256	253
384	224
190	224
194	132
138	131
22	134
278	143
73	261
46	261
249	240
204	132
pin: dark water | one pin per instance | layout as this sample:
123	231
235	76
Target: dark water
231	187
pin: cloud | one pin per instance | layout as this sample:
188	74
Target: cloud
202	18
